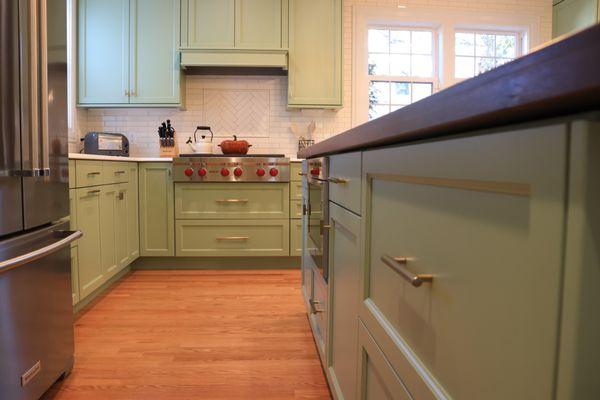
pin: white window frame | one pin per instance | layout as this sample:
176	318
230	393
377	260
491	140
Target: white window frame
445	22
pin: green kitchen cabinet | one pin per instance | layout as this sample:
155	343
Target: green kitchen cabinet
315	54
103	41
91	274
344	272
295	237
133	229
209	24
122	218
74	275
258	24
157	230
111	228
127	53
572	15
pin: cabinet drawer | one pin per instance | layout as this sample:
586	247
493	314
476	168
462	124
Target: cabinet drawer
232	238
378	381
296	209
346	191
484	216
115	172
295	171
296	238
232	201
88	173
295	191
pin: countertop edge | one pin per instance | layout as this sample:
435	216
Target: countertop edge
96	157
537	86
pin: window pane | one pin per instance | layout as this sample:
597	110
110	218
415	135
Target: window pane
500	61
400	93
420	91
464	67
376	111
379	92
422	66
484	64
379	40
400	42
484	45
379	64
464	44
506	46
421	42
399	65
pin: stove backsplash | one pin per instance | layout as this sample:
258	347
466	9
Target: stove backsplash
251	107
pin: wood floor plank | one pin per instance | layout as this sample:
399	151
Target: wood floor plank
214	335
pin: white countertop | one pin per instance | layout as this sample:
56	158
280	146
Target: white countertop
79	156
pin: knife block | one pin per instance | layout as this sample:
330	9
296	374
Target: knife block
167	150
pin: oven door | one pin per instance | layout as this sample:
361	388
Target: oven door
318	217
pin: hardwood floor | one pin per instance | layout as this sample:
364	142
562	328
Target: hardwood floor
196	335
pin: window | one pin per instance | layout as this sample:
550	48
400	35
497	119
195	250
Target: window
401	68
478	52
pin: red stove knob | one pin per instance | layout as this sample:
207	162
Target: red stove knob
202	172
238	172
315	171
260	172
224	172
273	172
188	172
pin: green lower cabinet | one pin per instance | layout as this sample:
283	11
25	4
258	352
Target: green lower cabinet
91	273
74	275
111	240
377	379
157	221
486	221
344	272
133	228
232	238
296	237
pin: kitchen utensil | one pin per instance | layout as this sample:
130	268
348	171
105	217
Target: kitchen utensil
234	146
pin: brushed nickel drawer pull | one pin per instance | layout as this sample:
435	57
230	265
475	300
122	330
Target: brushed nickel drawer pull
398	264
302	173
93	191
119	172
93	173
313	306
232	238
337	180
231	200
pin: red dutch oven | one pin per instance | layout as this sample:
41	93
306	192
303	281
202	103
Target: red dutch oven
234	146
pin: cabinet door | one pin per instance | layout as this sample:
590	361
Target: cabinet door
103	51
344	266
154	68
91	275
122	212
133	229
157	232
573	15
315	54
210	23
258	24
109	226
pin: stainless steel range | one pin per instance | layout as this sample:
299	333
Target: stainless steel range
222	168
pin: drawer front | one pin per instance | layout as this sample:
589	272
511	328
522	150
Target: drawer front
232	201
232	238
484	216
296	209
296	238
295	170
377	380
115	172
347	191
72	176
88	173
295	191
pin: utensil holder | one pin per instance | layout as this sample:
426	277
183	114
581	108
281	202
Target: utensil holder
169	147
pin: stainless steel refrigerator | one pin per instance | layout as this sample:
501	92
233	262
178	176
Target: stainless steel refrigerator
36	317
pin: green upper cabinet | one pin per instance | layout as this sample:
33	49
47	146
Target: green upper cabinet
154	62
210	24
127	52
258	24
103	51
573	15
315	54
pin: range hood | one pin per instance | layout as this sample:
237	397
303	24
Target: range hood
237	58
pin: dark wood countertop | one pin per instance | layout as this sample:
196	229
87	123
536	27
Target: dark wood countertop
561	79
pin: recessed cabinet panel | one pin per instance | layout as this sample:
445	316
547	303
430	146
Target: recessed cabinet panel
157	236
484	217
103	51
109	226
295	237
133	229
258	24
91	275
210	23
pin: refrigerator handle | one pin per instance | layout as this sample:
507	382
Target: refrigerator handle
44	166
66	237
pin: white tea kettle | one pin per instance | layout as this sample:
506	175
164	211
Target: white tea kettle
204	146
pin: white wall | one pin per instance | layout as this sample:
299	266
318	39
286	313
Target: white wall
268	118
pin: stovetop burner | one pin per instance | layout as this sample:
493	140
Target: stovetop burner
233	155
